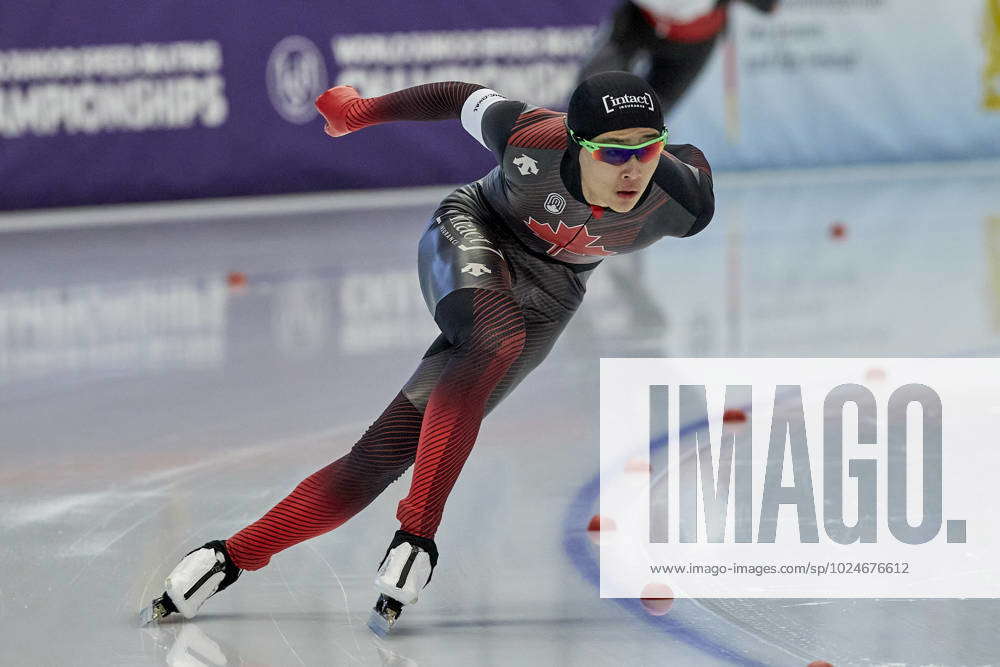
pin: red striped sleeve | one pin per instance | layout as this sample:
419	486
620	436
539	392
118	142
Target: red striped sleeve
432	101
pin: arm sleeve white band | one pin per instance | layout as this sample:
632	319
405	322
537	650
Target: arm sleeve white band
475	107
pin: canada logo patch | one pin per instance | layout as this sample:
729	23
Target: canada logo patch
573	239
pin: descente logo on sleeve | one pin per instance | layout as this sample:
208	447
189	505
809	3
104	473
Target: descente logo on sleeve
612	103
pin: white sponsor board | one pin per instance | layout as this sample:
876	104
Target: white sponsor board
831	477
835	81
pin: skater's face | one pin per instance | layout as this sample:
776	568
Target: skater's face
617	187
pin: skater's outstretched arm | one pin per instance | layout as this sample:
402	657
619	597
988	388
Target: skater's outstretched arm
345	111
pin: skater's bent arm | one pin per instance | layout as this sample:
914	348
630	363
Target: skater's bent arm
685	175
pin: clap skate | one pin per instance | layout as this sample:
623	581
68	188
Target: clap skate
200	575
406	568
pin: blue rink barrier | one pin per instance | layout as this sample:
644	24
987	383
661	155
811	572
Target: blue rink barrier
584	557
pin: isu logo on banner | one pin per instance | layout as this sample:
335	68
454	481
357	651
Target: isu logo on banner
296	75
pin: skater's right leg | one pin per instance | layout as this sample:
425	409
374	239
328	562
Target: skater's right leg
320	503
201	574
333	494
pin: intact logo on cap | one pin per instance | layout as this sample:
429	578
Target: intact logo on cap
612	103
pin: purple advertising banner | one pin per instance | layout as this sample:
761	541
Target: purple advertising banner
105	102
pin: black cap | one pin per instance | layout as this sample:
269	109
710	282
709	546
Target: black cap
612	101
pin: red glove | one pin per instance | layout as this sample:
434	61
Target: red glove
334	105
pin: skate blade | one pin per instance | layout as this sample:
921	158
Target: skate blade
146	616
384	615
154	612
379	624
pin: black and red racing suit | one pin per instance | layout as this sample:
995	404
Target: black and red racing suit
503	266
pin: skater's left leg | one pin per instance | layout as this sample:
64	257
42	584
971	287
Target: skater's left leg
489	345
410	558
487	332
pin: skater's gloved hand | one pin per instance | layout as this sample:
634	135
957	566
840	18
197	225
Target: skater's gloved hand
334	105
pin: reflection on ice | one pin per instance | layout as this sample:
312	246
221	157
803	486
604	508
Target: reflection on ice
193	648
131	326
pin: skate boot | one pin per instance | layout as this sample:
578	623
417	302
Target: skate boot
406	568
200	575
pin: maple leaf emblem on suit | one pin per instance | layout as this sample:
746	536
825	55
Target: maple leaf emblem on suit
574	239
